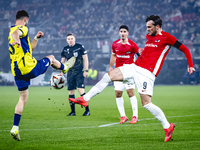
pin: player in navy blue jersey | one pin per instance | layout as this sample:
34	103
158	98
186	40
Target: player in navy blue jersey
76	75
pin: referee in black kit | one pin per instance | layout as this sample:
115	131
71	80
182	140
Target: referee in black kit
76	74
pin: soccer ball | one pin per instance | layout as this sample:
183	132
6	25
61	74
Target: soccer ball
57	81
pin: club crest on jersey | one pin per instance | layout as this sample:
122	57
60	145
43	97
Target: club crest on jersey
157	41
128	52
68	50
75	54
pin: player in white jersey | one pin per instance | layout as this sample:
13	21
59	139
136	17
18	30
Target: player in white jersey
143	73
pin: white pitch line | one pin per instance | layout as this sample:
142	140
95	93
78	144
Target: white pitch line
105	125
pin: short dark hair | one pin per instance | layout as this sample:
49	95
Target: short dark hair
156	19
123	27
21	14
69	34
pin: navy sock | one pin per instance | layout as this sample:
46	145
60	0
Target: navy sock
61	67
17	118
72	105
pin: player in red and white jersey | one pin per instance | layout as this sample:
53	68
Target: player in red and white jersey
157	48
143	73
123	51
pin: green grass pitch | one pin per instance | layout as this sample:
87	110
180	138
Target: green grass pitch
44	124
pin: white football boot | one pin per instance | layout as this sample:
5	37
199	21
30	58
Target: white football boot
15	133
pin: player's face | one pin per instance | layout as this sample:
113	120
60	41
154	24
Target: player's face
71	40
123	34
151	28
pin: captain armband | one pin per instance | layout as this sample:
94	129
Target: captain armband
177	44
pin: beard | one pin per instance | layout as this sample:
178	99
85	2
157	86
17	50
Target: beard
153	33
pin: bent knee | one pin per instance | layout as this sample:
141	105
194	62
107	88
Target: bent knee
51	58
118	94
130	93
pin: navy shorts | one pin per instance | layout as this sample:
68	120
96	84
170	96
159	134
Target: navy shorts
23	81
75	79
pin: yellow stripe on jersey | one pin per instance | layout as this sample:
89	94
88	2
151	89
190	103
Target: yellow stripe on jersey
22	61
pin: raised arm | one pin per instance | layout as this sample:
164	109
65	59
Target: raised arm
36	38
188	55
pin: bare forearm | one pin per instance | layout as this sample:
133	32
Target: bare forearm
15	36
85	58
112	60
34	44
36	38
86	64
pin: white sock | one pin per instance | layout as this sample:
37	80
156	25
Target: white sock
120	106
98	88
158	114
134	105
65	67
16	127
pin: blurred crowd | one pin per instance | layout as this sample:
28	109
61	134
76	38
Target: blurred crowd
93	18
100	19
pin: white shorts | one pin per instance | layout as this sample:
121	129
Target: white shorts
120	86
143	79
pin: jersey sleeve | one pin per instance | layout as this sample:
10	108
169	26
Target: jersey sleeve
170	39
83	51
24	30
135	47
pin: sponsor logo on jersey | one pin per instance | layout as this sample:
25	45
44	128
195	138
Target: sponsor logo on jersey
123	56
151	45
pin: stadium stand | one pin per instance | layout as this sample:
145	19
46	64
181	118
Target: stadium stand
95	24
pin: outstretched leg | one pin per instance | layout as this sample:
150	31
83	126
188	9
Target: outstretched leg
64	67
114	75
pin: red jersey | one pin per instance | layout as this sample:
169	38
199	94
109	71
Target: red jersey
155	51
124	52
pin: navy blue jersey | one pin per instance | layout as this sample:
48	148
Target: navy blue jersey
78	51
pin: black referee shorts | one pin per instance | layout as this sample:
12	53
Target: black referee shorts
75	79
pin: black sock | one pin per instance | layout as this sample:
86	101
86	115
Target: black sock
86	108
72	105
